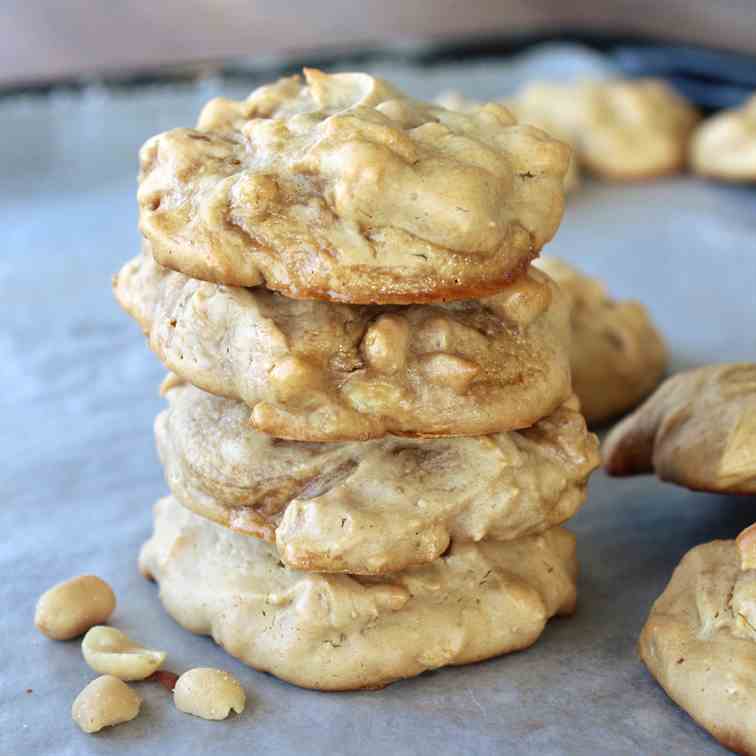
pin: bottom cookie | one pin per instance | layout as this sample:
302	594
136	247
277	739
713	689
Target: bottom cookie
700	643
342	632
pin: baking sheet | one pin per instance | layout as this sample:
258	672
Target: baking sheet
79	473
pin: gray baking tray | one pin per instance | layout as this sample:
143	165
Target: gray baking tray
79	474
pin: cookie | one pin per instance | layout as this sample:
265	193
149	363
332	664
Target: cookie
724	146
541	120
377	506
319	371
697	430
617	355
341	632
699	642
621	130
341	188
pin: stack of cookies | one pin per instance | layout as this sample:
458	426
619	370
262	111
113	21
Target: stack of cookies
371	439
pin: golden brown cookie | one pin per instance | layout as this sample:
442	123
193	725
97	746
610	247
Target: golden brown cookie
724	146
342	188
622	130
697	430
699	642
320	371
377	506
617	355
341	632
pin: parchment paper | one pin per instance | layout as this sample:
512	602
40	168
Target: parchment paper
79	474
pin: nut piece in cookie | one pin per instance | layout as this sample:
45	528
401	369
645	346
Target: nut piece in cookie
617	355
724	145
697	430
69	609
699	642
746	543
622	130
341	188
105	702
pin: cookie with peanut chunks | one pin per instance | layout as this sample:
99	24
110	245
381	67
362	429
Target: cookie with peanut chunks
345	632
699	641
371	507
697	430
320	371
617	355
341	188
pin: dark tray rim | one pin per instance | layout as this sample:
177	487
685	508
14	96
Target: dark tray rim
635	55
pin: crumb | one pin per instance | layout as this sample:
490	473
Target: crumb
165	678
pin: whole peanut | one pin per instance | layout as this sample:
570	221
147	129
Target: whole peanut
69	609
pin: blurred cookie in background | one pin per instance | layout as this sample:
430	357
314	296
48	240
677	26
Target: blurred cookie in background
724	146
617	355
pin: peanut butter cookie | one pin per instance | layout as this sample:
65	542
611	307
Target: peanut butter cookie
700	643
320	371
697	430
341	188
341	632
376	506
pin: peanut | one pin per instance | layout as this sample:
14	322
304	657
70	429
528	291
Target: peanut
385	344
111	652
449	370
105	702
208	693
69	609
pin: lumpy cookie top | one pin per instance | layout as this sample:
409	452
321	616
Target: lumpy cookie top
340	187
724	146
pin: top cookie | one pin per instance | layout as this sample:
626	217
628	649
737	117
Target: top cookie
724	146
342	188
697	430
622	130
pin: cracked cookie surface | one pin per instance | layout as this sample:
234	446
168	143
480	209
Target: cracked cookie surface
320	371
377	506
341	188
341	632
